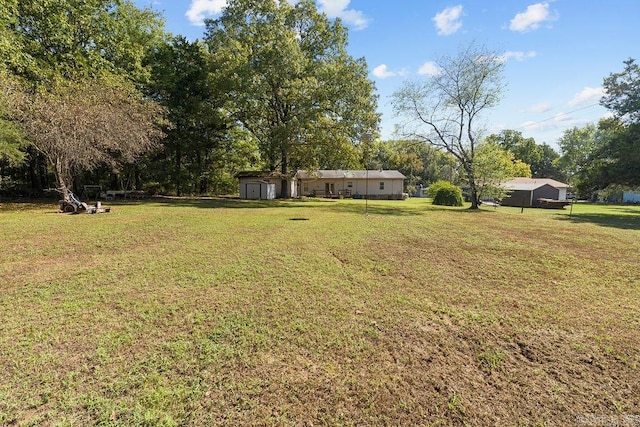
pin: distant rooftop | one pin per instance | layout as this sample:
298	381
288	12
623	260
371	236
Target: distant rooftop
350	174
532	183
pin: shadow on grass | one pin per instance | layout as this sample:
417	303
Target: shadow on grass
396	207
627	221
209	202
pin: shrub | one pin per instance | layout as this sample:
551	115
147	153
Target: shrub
445	193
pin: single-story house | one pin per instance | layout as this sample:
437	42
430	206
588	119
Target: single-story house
373	184
265	185
527	192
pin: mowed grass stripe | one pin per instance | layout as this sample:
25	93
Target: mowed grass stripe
205	312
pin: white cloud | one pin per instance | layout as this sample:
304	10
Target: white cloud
588	95
541	107
518	56
429	69
448	21
532	18
338	9
383	72
199	10
558	121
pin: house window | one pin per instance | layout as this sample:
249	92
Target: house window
382	185
349	184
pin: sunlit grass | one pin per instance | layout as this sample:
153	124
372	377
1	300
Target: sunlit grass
174	312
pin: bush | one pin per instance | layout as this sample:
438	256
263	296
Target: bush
445	193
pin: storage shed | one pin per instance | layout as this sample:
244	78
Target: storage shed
249	180
260	190
526	192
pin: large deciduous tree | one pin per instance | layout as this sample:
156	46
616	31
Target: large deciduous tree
290	82
493	166
445	111
622	92
619	159
62	39
196	127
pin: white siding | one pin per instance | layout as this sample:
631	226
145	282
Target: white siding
631	197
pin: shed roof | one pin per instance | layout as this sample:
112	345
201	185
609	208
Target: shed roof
259	174
530	184
350	174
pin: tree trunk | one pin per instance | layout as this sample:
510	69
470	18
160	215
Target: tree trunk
178	171
284	189
475	203
60	178
472	187
136	172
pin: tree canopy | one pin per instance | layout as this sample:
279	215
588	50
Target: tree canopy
597	157
64	39
290	82
542	159
77	67
622	92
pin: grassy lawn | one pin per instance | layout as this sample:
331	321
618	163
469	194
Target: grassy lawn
230	312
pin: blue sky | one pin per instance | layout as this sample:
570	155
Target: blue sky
558	52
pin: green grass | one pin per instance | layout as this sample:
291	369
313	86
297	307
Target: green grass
230	312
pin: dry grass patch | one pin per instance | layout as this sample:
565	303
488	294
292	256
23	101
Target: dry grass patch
225	312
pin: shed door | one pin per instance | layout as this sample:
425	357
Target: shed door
253	190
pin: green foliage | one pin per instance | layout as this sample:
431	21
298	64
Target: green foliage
495	165
445	193
11	143
87	123
419	162
541	158
622	92
192	156
289	81
64	39
577	145
12	140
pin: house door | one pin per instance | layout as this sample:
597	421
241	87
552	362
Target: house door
329	188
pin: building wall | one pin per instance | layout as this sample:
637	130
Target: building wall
518	198
276	181
631	197
545	192
352	187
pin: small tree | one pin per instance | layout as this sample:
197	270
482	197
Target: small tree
493	166
81	125
445	110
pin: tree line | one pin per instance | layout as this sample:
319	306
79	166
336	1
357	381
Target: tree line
96	92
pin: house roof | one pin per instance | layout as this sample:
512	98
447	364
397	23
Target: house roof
530	184
258	174
350	174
